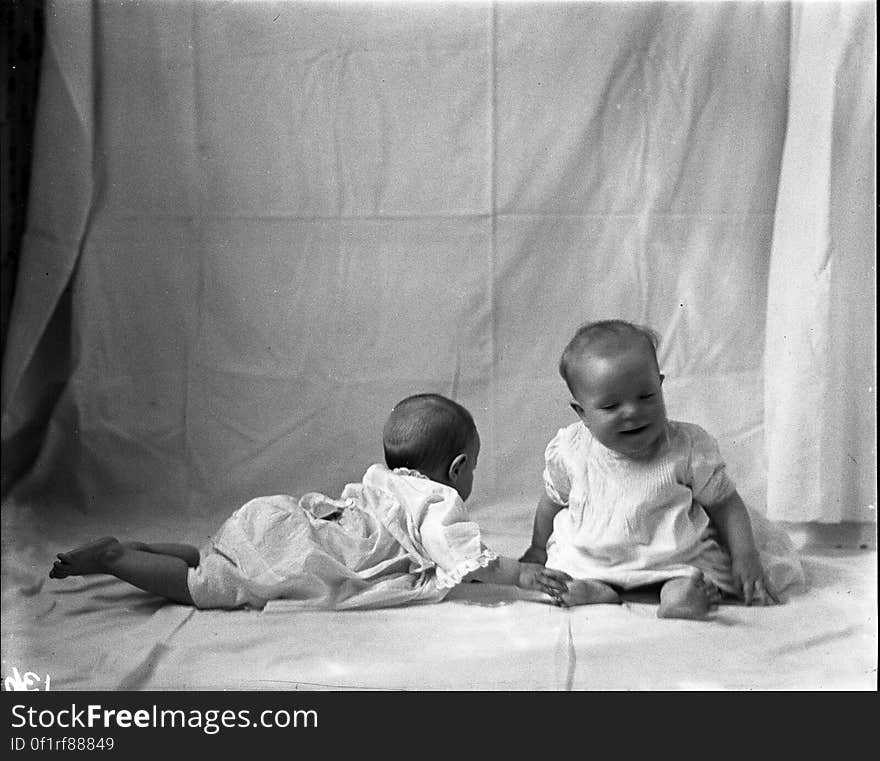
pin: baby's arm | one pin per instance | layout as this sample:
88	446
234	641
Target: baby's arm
732	521
512	572
541	530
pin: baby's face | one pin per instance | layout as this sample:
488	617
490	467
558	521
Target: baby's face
620	399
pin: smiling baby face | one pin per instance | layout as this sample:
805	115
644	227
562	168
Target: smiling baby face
618	395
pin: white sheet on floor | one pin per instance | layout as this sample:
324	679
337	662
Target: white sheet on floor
99	633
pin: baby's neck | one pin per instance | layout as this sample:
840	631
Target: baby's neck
411	472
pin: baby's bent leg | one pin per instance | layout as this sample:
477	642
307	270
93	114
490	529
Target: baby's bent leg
588	592
186	552
687	597
163	575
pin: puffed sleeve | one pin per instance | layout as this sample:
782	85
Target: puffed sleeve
557	483
709	481
452	541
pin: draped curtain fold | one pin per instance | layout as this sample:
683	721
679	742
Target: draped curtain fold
820	389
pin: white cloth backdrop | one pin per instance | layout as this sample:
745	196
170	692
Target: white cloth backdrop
821	399
255	226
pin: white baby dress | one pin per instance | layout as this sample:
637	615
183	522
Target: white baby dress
631	523
395	538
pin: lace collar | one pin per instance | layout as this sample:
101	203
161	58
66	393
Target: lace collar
409	472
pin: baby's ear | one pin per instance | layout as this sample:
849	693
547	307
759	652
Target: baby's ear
455	467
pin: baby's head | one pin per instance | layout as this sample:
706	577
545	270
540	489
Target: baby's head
611	369
435	436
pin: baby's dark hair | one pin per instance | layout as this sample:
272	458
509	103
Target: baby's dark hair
426	432
605	336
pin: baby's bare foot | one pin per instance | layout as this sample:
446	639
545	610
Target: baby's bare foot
688	597
588	593
82	561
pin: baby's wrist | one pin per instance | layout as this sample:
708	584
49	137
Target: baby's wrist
534	551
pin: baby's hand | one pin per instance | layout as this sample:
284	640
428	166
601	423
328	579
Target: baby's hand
534	555
547	580
748	575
